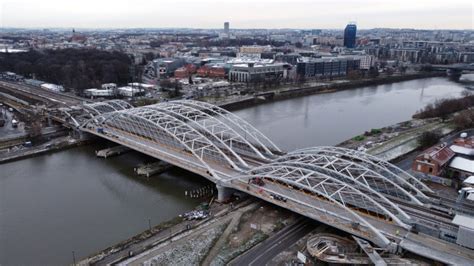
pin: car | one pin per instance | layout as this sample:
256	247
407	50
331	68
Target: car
10	109
278	197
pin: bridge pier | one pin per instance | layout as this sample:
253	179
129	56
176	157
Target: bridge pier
223	193
454	74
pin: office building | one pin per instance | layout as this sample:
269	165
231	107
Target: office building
226	27
326	67
350	35
252	72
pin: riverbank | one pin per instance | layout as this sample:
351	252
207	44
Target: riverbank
317	88
55	145
394	141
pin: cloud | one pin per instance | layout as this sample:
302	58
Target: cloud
242	14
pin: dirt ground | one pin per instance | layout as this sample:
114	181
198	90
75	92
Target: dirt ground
266	219
254	226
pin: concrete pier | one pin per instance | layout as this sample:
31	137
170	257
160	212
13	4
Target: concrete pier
224	193
117	150
153	168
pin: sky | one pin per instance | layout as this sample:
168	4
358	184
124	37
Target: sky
304	14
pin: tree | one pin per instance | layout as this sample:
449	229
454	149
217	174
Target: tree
166	83
373	72
428	138
464	119
72	68
33	125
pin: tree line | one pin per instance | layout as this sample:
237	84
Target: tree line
443	108
73	68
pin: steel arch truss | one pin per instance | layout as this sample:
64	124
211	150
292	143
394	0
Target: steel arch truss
100	108
398	175
250	133
350	170
225	134
353	204
199	131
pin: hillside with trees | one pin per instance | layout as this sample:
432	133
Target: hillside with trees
72	68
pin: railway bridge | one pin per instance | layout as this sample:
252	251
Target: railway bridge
455	70
350	190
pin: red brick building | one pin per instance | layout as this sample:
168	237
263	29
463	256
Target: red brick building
217	72
211	72
433	160
185	71
181	73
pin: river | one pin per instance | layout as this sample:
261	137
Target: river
70	201
328	119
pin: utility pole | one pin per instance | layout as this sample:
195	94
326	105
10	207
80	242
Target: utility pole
149	224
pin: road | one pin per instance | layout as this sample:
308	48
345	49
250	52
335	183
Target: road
272	246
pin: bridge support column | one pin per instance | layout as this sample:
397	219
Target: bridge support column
223	193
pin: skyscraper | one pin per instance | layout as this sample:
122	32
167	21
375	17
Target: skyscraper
226	27
350	35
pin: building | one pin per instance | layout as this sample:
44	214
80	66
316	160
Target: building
165	67
52	87
185	71
255	72
129	91
412	55
211	71
226	27
109	86
291	59
460	168
253	51
326	67
99	93
366	61
350	35
466	230
433	161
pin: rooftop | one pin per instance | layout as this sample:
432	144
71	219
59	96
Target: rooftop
462	150
464	220
462	164
440	153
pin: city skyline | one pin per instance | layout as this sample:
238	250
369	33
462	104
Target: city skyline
245	14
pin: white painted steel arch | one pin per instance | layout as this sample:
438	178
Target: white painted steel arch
235	121
325	186
162	108
387	172
99	108
413	181
353	170
214	126
363	187
149	122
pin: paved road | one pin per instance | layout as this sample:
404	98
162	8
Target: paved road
268	249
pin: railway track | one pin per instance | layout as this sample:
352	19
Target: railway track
43	95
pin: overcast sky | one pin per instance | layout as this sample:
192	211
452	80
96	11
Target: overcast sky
424	14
